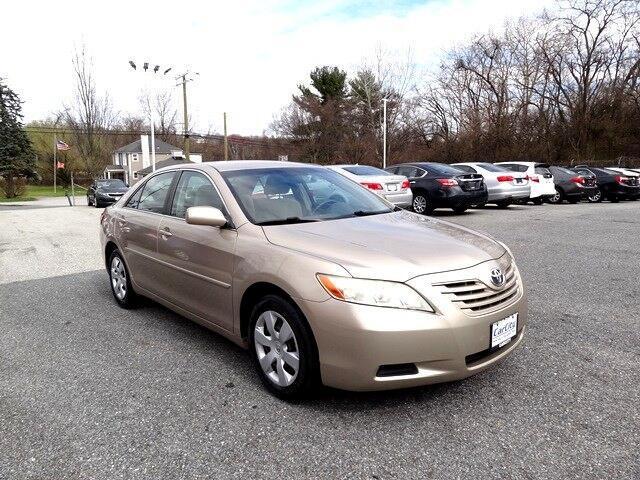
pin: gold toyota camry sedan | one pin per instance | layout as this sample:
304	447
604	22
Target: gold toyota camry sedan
322	280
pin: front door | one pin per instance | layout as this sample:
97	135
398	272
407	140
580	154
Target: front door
198	259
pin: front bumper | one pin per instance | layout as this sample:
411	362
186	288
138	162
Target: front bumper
354	341
400	199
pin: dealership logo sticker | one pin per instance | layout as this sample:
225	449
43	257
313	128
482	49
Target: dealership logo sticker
497	277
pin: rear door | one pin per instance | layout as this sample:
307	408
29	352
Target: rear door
138	225
197	260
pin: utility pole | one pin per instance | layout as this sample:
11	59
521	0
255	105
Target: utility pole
226	143
384	133
186	116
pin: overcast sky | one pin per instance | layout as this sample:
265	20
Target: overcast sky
250	54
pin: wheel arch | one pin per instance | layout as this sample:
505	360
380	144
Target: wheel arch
108	250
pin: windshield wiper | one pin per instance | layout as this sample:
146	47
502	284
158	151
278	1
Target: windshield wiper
362	213
284	221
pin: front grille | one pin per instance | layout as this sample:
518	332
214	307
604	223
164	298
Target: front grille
475	297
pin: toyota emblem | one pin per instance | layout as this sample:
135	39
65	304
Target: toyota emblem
497	277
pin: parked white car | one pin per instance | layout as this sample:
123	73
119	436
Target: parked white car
540	179
393	188
503	185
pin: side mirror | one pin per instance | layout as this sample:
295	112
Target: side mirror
210	216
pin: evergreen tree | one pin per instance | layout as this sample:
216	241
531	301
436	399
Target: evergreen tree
16	154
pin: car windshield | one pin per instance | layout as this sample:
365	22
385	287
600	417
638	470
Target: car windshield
272	196
365	170
489	167
111	184
442	169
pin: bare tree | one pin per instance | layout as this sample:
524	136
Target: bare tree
89	116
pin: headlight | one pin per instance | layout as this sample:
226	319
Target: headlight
378	293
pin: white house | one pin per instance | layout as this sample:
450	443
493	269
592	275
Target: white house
131	162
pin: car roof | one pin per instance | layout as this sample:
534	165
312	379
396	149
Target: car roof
231	165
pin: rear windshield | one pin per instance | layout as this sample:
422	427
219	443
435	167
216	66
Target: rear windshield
493	168
565	170
442	169
365	170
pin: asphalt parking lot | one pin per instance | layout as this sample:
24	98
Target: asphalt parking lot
88	390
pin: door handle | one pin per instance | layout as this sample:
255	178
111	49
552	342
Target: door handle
165	233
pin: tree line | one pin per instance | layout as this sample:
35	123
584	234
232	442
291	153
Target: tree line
560	87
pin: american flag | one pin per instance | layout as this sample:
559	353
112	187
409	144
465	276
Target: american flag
61	146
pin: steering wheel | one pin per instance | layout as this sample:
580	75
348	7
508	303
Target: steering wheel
323	205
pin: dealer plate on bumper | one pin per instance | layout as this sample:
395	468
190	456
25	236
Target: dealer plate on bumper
503	331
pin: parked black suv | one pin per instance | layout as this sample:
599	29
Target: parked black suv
611	185
572	186
103	192
436	185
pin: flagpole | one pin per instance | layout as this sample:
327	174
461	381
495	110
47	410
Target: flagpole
55	159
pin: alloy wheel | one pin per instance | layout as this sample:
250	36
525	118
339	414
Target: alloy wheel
419	204
596	197
277	348
556	198
118	278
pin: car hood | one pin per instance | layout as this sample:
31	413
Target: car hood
396	246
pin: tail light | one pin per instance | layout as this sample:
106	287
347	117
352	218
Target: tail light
620	179
534	178
447	182
372	186
580	180
505	178
405	185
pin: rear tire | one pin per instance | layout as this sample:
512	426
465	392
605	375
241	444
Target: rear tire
288	367
537	201
89	201
120	281
503	203
613	198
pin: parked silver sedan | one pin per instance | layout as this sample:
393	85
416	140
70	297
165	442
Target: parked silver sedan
393	188
504	186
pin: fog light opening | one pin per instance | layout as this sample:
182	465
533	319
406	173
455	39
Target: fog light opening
397	370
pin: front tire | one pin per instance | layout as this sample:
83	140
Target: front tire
421	204
120	281
282	349
596	197
557	198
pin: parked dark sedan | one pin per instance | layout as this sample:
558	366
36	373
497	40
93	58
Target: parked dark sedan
572	186
436	185
103	192
611	185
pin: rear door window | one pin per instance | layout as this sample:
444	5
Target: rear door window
155	191
408	171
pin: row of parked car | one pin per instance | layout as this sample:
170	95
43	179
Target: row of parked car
425	186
